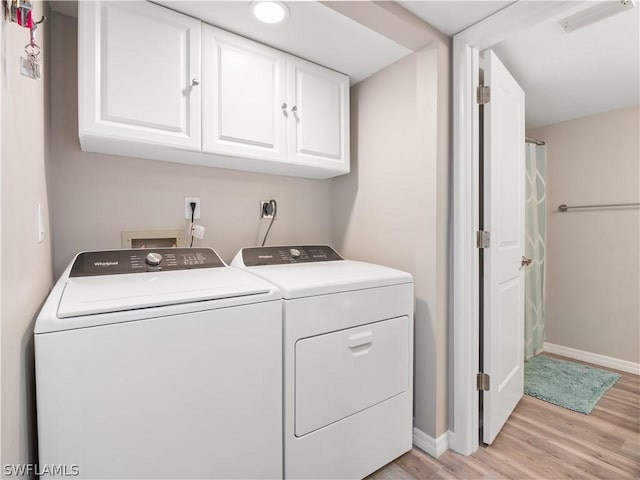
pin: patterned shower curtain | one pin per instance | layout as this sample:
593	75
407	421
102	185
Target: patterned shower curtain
535	230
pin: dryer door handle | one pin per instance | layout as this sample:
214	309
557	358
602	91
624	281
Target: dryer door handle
359	343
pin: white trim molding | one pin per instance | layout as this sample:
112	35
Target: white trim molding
465	312
451	438
465	255
595	358
433	446
511	20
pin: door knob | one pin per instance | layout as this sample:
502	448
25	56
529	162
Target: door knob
195	82
283	106
526	261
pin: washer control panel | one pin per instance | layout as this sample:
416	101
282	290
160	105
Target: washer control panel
115	262
256	256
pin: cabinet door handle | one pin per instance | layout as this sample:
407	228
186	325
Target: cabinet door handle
294	109
195	82
283	106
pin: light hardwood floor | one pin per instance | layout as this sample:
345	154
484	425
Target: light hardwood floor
544	441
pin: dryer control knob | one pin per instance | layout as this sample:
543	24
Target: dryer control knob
295	253
154	259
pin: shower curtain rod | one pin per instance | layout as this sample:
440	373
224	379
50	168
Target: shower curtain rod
564	207
533	140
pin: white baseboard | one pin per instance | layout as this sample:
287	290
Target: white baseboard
433	446
595	358
451	438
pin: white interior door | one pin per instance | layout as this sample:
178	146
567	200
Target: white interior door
504	144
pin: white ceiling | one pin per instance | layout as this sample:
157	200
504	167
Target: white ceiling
564	76
312	31
572	75
451	17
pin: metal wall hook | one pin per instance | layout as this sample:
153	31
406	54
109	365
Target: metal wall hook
32	32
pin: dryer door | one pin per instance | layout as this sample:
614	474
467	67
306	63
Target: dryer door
341	373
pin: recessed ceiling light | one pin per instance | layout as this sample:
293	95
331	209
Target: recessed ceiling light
270	12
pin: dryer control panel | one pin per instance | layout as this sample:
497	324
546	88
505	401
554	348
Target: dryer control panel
253	257
115	262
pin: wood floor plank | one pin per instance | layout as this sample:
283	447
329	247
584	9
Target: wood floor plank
585	446
569	423
419	464
392	472
501	463
462	466
545	441
626	404
566	457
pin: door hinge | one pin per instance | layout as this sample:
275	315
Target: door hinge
483	95
483	239
482	382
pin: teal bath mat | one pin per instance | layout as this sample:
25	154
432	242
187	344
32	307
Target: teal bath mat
567	384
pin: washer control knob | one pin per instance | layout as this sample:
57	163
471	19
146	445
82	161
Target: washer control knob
295	253
154	259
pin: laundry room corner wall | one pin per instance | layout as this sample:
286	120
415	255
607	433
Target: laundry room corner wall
393	208
26	263
96	196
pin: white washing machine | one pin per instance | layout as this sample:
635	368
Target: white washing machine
348	359
160	364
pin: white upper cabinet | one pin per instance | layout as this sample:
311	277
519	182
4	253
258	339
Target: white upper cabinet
157	84
244	90
319	127
139	73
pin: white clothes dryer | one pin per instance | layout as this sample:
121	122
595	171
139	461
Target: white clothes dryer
160	364
348	359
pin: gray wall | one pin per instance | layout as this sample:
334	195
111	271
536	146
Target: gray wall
26	264
96	197
593	257
393	208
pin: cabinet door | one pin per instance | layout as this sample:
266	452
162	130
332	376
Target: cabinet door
244	92
319	116
139	68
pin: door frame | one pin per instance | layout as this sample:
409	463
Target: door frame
467	46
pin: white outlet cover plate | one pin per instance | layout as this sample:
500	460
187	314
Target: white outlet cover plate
262	204
198	231
187	208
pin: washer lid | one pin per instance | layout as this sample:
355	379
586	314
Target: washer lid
309	279
116	293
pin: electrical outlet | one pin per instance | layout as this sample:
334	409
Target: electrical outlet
266	209
187	208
